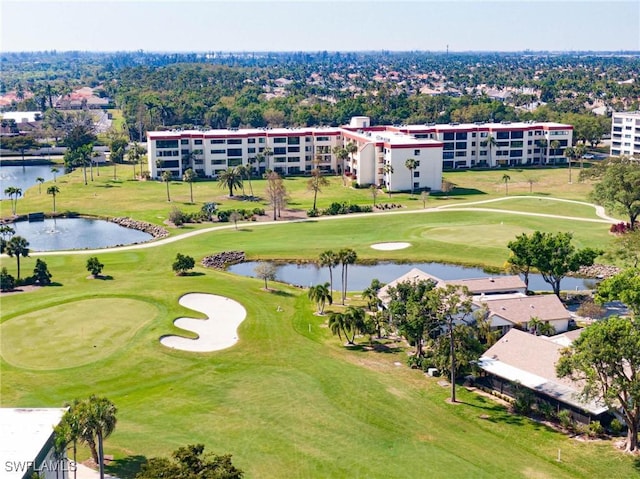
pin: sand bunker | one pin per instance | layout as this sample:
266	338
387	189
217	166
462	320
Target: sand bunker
390	246
218	331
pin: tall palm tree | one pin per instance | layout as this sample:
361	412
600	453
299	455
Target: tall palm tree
133	155
190	176
13	192
569	152
553	146
346	256
250	162
491	143
53	191
543	144
321	295
55	171
351	148
341	154
242	171
411	164
40	180
230	178
338	324
355	318
315	184
330	259
506	178
580	151
17	246
387	169
166	177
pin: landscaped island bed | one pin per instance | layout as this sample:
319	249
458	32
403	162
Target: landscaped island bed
287	400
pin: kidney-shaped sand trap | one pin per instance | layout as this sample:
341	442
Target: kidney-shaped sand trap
218	331
390	246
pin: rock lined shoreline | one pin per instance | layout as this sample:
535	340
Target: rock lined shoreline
598	271
154	230
224	259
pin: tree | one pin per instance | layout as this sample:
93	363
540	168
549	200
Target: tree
55	171
490	142
17	246
618	186
235	216
40	180
341	155
276	193
523	256
351	148
625	287
413	312
117	147
424	196
569	152
531	180
166	177
94	266
387	169
347	323
182	264
553	146
13	192
190	176
316	183
133	155
41	273
80	156
555	256
346	256
506	178
374	193
626	247
411	165
606	356
579	151
53	191
90	421
231	179
263	156
190	462
7	282
242	171
265	271
321	295
19	143
330	260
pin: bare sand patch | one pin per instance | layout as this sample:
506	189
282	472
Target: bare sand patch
218	331
390	246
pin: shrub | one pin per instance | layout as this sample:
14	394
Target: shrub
7	282
589	309
311	213
258	211
524	400
182	264
94	266
177	217
223	216
41	273
208	210
546	410
415	362
564	416
616	427
595	429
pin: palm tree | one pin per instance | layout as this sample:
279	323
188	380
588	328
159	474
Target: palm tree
264	156
490	142
230	178
346	256
13	193
330	259
249	170
321	295
242	171
341	155
40	180
580	151
315	184
411	164
569	152
53	191
166	177
55	171
190	176
553	146
374	193
387	169
351	149
531	181
543	144
337	324
355	319
506	178
17	246
133	155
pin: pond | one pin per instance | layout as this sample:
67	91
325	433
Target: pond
76	233
360	276
24	177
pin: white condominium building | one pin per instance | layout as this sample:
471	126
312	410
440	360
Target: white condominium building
625	133
380	156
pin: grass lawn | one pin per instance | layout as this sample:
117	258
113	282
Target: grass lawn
288	400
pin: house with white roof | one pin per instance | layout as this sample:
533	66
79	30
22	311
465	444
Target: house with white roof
526	360
27	444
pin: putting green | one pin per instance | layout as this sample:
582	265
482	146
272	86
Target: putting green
488	234
72	334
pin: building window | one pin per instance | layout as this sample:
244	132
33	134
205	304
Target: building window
167	144
281	150
234	141
447	155
416	184
251	140
293	140
197	142
322	138
448	146
280	140
184	142
218	152
184	152
448	136
517	135
461	136
461	145
502	135
416	174
416	152
293	149
251	150
234	162
217	142
234	152
260	140
461	153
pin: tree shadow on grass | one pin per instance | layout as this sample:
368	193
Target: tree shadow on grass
127	467
192	273
278	292
374	347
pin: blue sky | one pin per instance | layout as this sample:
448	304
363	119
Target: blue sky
212	25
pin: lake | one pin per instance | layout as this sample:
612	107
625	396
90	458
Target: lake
24	177
360	276
76	233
